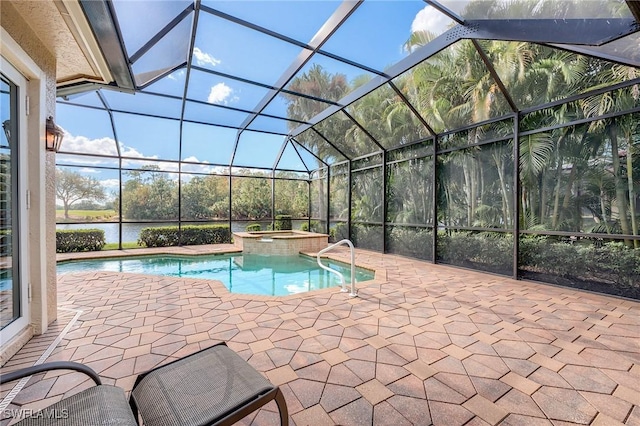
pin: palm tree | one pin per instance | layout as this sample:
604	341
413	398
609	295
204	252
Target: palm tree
320	84
619	131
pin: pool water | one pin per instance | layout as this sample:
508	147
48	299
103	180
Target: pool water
6	281
6	284
245	274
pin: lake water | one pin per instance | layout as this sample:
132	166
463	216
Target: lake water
131	231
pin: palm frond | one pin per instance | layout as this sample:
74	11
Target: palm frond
535	153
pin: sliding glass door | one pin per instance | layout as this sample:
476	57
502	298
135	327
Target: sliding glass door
13	291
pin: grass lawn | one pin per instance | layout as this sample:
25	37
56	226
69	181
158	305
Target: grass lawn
114	246
86	214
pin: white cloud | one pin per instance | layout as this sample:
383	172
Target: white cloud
163	166
429	19
127	151
194	159
107	146
88	170
203	167
110	184
175	75
205	58
219	94
136	160
101	146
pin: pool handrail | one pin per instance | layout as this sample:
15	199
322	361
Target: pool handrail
354	292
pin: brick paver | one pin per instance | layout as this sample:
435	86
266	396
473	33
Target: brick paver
422	344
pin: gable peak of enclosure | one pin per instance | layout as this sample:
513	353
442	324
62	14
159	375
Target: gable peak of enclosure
293	85
499	135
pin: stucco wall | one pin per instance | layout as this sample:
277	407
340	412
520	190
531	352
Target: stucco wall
41	169
20	31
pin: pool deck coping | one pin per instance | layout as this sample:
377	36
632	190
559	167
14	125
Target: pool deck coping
284	234
217	287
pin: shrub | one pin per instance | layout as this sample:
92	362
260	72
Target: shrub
317	226
366	236
254	227
338	232
314	226
282	223
167	236
75	240
413	242
485	251
611	262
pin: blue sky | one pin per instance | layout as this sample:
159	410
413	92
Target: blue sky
374	36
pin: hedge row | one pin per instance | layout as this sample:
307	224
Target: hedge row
75	240
485	251
610	267
413	242
611	262
167	236
282	223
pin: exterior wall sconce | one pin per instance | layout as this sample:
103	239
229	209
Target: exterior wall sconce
54	135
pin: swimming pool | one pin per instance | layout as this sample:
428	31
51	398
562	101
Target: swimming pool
245	274
6	282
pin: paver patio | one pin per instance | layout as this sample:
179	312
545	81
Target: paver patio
430	344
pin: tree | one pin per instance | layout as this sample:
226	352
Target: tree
205	197
251	196
291	197
621	132
321	84
72	187
150	194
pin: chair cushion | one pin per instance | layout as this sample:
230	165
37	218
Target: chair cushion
198	389
98	405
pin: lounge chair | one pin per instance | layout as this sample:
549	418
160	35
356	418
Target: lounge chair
214	386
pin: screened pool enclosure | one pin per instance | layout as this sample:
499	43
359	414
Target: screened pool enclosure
501	136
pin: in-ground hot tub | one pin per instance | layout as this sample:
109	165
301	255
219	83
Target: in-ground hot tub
283	243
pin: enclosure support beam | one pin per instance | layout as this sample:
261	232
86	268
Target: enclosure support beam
120	204
230	211
591	32
342	13
115	138
424	52
516	193
309	208
101	17
634	6
451	14
328	212
494	75
384	201
434	200
349	173
180	196
273	200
